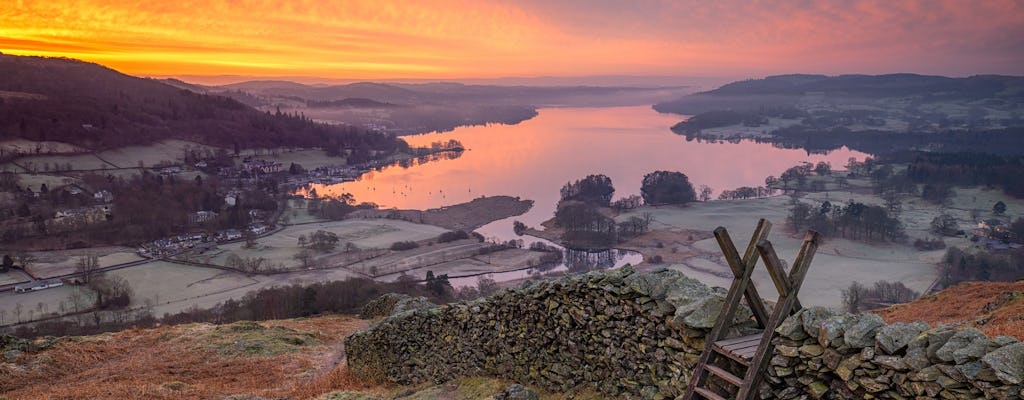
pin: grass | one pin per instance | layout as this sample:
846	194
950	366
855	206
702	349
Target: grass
178	362
996	308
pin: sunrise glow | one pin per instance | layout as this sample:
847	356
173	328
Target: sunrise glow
455	39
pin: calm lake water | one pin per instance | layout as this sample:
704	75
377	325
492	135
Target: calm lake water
533	159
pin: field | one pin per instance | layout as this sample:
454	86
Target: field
35	181
164	283
43	302
838	263
55	263
282	246
168	151
308	159
296	212
50	163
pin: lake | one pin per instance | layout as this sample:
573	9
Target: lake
533	159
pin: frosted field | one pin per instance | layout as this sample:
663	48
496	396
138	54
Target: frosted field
164	282
838	262
308	159
171	151
281	247
51	300
51	264
77	162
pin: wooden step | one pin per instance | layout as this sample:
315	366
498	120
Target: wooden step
721	373
707	394
739	349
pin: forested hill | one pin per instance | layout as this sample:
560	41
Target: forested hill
87	104
788	90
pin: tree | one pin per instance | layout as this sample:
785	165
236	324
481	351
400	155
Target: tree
7	264
88	267
1017	229
705	192
999	208
305	256
323	241
25	260
823	168
945	224
594	189
667	187
111	291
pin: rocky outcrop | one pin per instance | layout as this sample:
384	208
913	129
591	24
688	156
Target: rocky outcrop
393	303
630	334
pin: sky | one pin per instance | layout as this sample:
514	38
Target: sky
451	39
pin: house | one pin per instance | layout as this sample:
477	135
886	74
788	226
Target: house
228	235
37	285
200	217
103	196
230	199
259	229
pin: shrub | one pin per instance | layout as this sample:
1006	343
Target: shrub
452	236
401	246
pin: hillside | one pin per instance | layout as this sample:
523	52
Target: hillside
821	113
304	358
286	358
996	308
89	105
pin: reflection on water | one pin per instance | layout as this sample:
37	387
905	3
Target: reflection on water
533	159
588	260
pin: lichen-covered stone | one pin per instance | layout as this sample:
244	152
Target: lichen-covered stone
1008	363
965	345
893	338
862	333
638	335
813	317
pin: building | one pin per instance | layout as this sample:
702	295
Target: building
103	196
200	217
37	285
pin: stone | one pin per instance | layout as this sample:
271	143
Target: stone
793	327
893	338
811	350
965	345
862	333
787	351
833	328
813	317
817	389
936	339
516	392
1008	363
891	362
846	367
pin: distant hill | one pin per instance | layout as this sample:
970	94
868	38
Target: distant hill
789	90
89	105
820	113
352	102
442	92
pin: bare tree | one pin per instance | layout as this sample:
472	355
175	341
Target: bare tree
705	192
88	266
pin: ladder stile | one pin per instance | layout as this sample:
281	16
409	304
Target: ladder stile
753	351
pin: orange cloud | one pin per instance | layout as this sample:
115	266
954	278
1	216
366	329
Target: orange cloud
454	38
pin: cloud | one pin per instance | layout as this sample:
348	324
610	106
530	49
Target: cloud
454	38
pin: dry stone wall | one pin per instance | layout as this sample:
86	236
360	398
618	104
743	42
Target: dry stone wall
639	335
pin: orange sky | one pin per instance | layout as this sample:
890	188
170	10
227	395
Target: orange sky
384	39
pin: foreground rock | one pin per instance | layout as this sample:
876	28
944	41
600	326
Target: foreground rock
628	334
